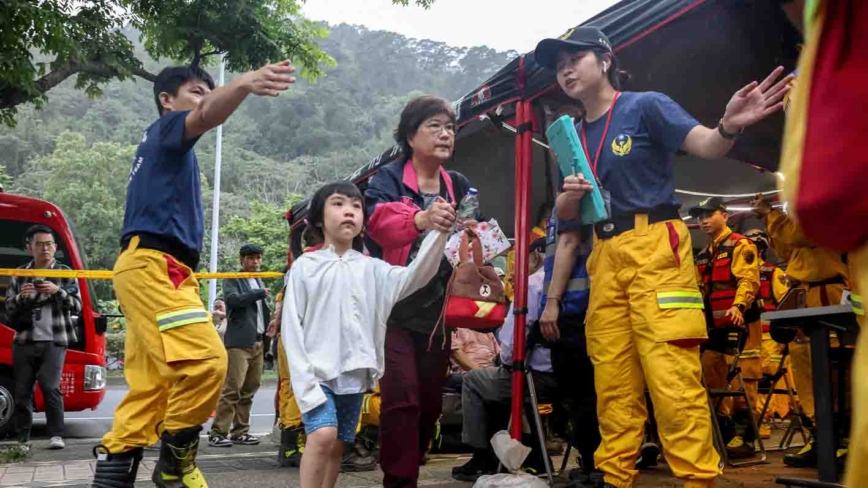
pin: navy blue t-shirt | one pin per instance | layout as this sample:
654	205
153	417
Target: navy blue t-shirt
164	193
635	165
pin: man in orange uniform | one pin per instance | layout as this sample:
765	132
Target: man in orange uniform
728	273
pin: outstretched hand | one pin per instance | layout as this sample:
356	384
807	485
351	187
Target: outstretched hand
756	101
271	79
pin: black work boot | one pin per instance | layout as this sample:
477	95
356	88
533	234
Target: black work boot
369	436
176	467
483	462
806	458
115	470
291	447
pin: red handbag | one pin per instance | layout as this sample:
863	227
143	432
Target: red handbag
475	296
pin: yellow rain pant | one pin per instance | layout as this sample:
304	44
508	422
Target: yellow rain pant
772	355
715	366
857	467
800	349
370	414
645	323
175	362
290	415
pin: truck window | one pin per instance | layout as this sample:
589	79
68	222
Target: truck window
13	255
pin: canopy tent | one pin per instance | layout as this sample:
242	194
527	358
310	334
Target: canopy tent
699	52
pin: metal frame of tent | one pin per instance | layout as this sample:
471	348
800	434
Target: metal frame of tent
697	51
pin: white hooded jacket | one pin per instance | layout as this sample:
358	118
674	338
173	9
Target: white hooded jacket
335	310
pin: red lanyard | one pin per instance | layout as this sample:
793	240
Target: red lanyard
602	139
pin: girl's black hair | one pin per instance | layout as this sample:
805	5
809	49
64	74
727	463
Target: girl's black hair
616	76
316	210
416	111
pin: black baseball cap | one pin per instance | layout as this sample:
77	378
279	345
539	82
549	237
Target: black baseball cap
249	249
576	39
538	245
707	206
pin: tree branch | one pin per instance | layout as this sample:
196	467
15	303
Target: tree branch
11	97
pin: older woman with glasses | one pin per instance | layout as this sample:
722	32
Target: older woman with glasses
405	200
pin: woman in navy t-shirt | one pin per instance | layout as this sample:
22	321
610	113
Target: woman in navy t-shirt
645	319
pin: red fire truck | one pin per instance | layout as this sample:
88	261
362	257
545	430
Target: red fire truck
84	373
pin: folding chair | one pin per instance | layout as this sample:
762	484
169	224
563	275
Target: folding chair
535	338
794	299
731	342
537	420
795	414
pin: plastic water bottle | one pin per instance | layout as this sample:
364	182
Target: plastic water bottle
468	209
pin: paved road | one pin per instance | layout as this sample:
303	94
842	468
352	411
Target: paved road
91	424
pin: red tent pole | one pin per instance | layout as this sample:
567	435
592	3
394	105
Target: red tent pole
522	198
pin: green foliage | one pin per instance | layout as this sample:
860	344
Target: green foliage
5	179
70	35
114	347
77	152
266	227
426	4
87	39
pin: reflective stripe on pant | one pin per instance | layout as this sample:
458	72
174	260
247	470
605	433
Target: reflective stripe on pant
635	325
175	362
857	468
290	415
800	349
243	377
772	353
371	409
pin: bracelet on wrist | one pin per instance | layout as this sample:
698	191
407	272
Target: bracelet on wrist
729	136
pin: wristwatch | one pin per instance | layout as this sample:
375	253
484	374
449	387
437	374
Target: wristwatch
729	136
741	307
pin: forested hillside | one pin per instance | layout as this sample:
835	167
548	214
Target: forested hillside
76	151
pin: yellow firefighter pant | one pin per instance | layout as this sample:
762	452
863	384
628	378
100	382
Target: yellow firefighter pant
290	415
175	362
370	414
715	366
800	349
772	355
857	467
645	323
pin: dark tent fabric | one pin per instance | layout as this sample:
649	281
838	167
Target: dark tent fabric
699	52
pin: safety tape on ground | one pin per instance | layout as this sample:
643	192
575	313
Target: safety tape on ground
105	274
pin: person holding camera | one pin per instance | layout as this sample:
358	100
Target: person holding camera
41	312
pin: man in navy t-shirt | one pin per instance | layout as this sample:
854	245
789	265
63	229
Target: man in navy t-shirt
177	363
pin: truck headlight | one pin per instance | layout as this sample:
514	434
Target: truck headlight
94	377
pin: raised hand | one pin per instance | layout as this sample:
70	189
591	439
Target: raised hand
271	79
756	101
760	206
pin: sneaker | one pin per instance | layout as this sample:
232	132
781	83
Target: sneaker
765	431
56	442
245	440
738	448
479	464
648	456
217	440
806	458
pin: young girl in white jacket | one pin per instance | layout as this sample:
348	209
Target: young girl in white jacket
335	309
